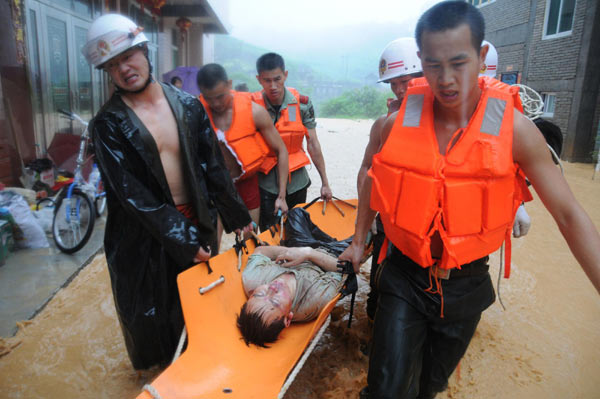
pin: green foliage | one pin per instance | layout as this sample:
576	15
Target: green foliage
366	102
240	77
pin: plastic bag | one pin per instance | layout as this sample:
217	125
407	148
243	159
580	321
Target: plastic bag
33	234
44	218
300	231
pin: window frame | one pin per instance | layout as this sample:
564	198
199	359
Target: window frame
557	35
545	113
472	2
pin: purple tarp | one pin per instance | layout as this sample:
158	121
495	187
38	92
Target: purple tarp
187	75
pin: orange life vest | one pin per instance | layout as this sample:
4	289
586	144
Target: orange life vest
470	195
292	131
244	141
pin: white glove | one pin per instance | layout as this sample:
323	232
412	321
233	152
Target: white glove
522	222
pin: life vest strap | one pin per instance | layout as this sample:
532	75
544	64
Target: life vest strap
507	254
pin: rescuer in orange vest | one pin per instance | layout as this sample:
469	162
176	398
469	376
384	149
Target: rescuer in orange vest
246	136
294	118
398	66
447	183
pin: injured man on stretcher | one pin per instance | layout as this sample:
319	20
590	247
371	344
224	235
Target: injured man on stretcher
284	285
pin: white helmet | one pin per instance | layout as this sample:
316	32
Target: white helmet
109	36
398	59
490	65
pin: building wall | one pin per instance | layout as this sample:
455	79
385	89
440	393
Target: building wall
16	127
554	60
508	32
561	66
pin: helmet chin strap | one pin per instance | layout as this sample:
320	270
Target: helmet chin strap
148	81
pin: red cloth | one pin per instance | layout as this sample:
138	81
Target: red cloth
187	210
248	190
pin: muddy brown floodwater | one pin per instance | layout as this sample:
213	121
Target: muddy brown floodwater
544	345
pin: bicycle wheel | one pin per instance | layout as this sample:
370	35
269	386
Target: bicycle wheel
73	222
100	200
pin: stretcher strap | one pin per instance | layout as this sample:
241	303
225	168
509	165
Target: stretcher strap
500	276
305	207
350	285
182	339
152	391
508	254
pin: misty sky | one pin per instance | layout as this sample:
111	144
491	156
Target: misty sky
283	24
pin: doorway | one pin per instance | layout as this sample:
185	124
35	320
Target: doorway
60	75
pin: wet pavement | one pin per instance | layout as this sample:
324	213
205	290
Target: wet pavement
31	277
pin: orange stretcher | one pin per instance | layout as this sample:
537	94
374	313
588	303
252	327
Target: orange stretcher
217	363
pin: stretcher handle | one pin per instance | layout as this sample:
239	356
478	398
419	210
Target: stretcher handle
212	285
338	208
345	202
259	241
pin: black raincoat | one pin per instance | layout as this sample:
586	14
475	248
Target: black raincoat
147	241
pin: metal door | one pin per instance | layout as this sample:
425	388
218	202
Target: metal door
61	77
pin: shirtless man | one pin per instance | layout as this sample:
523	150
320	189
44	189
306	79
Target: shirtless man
165	181
246	143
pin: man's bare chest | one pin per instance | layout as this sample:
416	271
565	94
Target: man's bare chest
161	124
223	121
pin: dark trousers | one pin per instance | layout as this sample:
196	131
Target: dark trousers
267	205
415	350
373	295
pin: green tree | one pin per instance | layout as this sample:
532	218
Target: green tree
366	102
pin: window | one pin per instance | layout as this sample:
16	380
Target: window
549	101
479	3
559	18
510	78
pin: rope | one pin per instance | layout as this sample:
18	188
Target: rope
556	158
533	104
212	285
302	360
500	275
152	391
180	345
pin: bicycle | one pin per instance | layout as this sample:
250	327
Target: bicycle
78	204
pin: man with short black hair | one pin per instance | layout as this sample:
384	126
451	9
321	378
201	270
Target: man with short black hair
246	135
294	117
447	183
285	285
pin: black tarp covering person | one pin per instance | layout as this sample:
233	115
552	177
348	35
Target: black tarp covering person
165	181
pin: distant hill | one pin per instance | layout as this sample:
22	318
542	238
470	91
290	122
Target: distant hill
322	64
239	59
